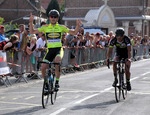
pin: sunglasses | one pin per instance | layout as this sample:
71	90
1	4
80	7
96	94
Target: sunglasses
53	16
119	35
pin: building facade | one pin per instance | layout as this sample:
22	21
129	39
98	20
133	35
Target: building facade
132	15
18	11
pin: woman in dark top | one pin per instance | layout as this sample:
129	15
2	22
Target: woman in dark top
7	45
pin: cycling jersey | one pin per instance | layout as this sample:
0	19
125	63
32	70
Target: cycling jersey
53	34
121	47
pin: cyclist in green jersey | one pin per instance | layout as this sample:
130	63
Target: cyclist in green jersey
53	33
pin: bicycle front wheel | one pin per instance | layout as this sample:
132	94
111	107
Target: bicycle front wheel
53	90
45	95
118	90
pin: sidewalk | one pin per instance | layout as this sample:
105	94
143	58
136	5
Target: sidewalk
13	80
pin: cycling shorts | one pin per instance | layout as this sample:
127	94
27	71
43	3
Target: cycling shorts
52	53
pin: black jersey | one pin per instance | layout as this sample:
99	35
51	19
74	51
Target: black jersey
121	47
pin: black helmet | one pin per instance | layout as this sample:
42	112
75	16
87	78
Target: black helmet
54	13
119	31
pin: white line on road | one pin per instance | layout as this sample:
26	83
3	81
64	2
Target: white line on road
29	97
86	98
145	73
58	111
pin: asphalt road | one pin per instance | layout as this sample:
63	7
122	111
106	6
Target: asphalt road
81	93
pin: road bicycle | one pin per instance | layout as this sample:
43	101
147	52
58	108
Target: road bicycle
49	82
121	86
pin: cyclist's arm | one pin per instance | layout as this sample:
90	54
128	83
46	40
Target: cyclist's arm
31	28
74	32
109	52
129	52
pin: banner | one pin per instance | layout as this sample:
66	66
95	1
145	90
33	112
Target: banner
4	69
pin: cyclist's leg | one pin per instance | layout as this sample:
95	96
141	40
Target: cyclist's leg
49	58
43	69
127	71
58	59
116	58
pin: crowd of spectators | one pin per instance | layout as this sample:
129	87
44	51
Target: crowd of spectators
30	46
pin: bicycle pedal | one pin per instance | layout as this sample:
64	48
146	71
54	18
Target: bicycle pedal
56	89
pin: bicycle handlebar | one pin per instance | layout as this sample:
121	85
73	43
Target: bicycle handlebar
121	61
49	63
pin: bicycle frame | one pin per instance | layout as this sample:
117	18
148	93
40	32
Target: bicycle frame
49	80
121	86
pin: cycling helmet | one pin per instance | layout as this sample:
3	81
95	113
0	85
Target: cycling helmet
54	13
119	31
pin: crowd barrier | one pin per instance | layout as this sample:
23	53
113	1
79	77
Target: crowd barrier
84	56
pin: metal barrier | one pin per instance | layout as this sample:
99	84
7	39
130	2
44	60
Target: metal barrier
84	56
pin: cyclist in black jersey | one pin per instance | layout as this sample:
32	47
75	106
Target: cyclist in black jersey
122	51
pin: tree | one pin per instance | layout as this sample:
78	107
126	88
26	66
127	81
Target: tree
53	5
1	20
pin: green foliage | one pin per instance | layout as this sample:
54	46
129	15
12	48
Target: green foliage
10	26
62	6
53	5
1	20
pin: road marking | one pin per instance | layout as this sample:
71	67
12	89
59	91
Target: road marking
86	98
58	111
59	97
145	73
140	93
15	108
103	91
29	97
20	103
2	97
14	98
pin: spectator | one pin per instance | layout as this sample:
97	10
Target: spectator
69	38
63	41
81	41
40	49
132	38
43	23
91	41
110	35
31	46
74	42
21	27
97	42
2	30
7	45
81	31
21	50
69	43
144	40
87	38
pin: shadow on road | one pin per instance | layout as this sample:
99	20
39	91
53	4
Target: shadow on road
93	106
26	111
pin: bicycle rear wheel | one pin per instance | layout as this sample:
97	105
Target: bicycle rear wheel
118	90
45	95
53	90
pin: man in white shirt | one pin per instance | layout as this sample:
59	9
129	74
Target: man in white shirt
40	48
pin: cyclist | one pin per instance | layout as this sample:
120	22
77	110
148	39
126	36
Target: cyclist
123	50
53	33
